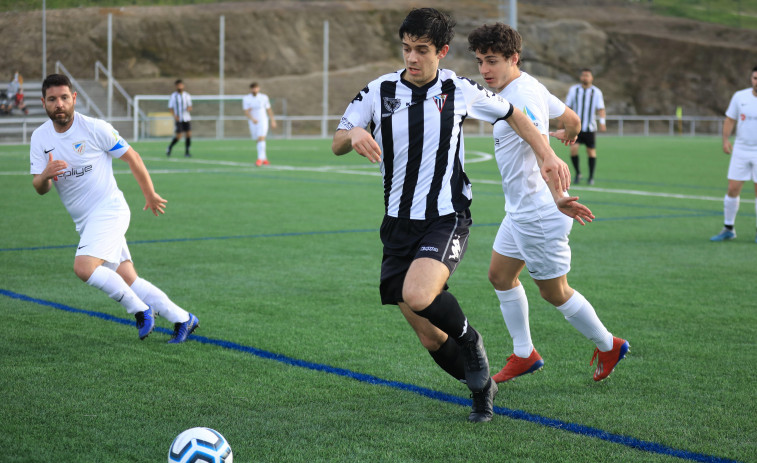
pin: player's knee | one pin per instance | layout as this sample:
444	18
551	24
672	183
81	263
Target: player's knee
501	281
83	271
417	298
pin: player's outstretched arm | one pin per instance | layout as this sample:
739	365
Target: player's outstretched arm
569	125
570	206
358	139
553	169
153	201
42	182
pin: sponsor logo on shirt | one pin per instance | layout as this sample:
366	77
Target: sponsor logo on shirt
76	172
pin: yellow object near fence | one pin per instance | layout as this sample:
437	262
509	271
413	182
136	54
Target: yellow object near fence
161	124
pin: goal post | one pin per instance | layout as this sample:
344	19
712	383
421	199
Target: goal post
221	117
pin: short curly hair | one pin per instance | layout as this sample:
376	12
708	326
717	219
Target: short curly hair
499	38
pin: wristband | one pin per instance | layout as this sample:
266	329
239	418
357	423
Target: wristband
602	120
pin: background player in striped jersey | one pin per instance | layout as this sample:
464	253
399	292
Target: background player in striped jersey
587	101
180	104
741	114
75	153
535	230
257	108
415	119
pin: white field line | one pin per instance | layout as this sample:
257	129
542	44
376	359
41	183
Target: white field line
372	170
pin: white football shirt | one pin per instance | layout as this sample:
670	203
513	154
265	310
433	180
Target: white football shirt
525	189
743	108
88	147
259	104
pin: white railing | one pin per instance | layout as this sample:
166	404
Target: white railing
19	129
129	102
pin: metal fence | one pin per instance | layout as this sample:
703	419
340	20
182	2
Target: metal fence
230	123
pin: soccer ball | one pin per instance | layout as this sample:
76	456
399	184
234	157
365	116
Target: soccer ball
200	445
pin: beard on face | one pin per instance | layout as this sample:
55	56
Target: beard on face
60	117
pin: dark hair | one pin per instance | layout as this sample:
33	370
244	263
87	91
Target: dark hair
586	70
754	69
499	38
254	84
429	23
178	81
55	80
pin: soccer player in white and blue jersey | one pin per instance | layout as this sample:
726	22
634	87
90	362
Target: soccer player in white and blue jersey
742	115
75	153
411	122
534	232
257	108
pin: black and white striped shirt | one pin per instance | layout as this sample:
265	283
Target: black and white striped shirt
585	102
420	132
180	102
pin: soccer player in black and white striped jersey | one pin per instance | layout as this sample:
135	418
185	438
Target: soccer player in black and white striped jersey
414	119
180	104
587	101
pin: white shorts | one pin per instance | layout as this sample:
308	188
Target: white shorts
540	239
103	235
743	165
258	130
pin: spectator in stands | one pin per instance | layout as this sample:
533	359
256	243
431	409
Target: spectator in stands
15	94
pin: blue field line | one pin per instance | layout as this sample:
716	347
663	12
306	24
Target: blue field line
632	442
205	238
337	232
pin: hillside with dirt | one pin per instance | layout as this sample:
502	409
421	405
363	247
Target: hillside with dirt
644	63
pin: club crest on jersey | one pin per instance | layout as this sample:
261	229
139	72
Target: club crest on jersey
79	147
439	100
392	104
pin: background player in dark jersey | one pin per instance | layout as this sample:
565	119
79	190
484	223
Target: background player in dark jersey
415	116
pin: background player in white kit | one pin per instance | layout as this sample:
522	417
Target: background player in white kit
742	114
535	230
257	108
75	152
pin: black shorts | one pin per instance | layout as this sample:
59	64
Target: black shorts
587	138
444	239
183	126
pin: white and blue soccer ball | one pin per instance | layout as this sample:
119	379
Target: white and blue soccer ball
200	445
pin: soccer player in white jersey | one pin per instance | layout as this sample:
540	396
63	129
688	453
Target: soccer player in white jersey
586	100
534	232
257	108
180	104
414	121
741	114
75	153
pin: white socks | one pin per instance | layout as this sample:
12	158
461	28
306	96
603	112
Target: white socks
114	286
160	303
514	306
730	208
261	151
580	313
